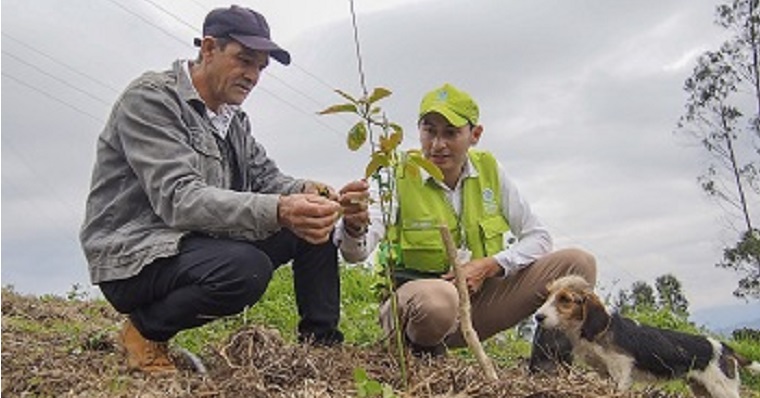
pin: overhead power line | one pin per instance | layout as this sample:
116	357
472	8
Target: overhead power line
52	97
56	78
358	49
319	121
200	6
171	14
42	179
310	114
313	76
53	59
148	21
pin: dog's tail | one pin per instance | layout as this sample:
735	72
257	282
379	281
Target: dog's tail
740	361
753	367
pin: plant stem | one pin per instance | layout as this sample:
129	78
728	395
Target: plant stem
397	326
465	317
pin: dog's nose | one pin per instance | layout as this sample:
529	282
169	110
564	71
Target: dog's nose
540	317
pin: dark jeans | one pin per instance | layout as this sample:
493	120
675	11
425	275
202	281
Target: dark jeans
212	278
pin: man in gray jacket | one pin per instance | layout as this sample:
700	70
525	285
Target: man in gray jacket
187	216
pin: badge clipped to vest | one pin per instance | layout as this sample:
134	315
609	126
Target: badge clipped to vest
464	255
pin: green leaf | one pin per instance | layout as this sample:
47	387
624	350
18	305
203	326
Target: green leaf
377	94
378	160
360	375
412	169
373	388
357	136
388	392
339	108
396	128
427	165
387	145
383	254
346	96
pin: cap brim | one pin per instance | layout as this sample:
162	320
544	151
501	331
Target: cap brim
264	44
454	118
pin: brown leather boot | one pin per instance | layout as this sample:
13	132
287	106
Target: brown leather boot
143	354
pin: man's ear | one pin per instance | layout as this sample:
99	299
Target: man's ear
596	320
208	45
475	134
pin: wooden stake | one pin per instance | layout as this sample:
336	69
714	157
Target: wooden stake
465	317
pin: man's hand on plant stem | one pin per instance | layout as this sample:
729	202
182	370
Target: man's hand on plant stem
318	188
354	200
310	216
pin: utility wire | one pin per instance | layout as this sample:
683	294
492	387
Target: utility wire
148	21
56	78
358	50
53	59
313	76
42	180
171	14
54	98
201	6
168	33
319	121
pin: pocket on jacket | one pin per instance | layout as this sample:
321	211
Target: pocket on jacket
492	231
423	250
204	142
210	160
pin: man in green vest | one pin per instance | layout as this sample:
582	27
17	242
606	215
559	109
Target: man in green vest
506	251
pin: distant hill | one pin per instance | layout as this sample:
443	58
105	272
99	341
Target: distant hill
753	324
724	319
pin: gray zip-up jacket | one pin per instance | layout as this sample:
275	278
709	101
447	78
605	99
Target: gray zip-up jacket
160	174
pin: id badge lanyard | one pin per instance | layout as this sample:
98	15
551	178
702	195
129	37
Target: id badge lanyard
464	254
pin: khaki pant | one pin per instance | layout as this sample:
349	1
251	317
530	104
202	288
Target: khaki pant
429	307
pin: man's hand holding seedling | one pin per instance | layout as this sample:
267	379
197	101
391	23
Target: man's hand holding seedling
354	200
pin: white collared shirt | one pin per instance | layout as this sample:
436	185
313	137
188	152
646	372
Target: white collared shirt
531	239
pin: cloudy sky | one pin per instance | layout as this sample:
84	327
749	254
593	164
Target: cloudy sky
579	101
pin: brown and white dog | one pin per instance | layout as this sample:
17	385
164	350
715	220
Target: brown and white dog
628	351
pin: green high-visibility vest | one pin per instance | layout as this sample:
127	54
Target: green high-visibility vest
423	208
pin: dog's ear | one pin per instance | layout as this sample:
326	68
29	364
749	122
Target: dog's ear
595	320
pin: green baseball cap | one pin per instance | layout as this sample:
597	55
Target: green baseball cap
455	105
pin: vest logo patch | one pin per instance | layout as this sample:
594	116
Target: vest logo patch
489	202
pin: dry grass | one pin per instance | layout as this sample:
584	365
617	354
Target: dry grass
54	347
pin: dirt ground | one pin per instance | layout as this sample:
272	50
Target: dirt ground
53	347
